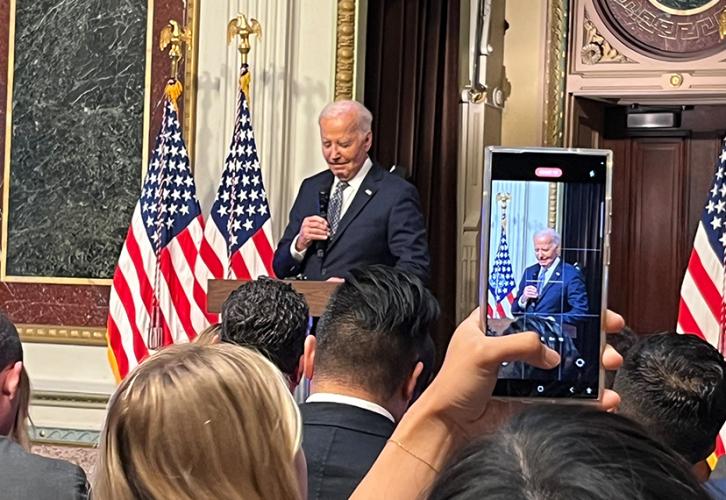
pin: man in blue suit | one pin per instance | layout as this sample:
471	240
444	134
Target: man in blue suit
551	287
373	217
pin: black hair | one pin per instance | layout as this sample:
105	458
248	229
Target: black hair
270	316
559	453
675	385
11	350
374	329
622	342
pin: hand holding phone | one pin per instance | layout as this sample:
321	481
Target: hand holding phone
545	225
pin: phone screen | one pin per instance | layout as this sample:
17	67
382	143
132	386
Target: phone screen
544	264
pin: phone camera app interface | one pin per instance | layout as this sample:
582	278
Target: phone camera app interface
545	267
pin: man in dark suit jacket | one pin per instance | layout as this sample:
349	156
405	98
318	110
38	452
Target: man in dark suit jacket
25	475
22	474
551	287
364	371
373	216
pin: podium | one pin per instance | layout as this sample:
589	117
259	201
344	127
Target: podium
316	293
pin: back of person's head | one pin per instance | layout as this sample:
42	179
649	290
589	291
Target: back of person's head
14	385
622	342
200	421
675	386
560	453
373	331
271	317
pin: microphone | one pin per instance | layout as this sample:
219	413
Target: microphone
532	301
323	201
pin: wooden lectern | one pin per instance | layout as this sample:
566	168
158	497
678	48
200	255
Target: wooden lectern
316	293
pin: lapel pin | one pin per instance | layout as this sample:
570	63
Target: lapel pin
369	192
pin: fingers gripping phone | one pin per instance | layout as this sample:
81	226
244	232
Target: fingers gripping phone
544	261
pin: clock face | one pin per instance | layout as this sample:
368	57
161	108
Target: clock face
683	7
665	29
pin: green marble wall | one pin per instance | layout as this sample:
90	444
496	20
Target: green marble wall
78	98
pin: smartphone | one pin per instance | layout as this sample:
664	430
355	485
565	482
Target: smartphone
545	245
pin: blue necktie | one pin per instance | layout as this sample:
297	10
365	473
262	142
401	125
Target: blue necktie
540	280
336	204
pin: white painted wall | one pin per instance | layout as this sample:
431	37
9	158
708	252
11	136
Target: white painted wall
293	70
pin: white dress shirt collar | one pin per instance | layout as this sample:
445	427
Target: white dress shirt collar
357	180
550	270
327	397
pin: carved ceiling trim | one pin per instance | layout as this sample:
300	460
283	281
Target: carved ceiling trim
596	49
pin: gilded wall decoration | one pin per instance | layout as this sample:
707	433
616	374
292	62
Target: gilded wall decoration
597	49
345	50
555	68
665	29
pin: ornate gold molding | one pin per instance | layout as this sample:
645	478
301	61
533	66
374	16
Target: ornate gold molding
596	49
345	50
56	334
189	120
555	67
552	205
64	399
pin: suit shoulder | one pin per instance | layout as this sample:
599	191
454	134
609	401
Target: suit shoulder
318	178
66	477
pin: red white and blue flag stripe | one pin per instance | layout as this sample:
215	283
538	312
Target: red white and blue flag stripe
155	298
238	240
501	282
702	309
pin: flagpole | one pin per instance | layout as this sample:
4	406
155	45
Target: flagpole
240	27
174	37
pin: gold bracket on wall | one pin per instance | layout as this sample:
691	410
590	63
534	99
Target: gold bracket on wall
345	50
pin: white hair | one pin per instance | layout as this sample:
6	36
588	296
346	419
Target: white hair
549	233
342	107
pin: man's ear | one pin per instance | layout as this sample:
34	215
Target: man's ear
410	385
368	141
11	380
308	357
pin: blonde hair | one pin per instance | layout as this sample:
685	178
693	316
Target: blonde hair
19	429
200	421
210	335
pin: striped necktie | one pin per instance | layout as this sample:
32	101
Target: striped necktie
336	205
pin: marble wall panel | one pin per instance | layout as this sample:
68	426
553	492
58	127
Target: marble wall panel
78	102
80	305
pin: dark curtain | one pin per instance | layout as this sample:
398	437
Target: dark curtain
411	87
582	209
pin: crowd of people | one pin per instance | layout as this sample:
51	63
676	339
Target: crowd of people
216	418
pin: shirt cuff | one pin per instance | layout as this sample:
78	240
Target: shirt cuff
522	300
297	256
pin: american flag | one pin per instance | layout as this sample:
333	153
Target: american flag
238	242
155	298
702	309
501	282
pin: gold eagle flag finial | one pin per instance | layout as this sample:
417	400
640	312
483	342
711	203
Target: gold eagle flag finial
174	36
239	26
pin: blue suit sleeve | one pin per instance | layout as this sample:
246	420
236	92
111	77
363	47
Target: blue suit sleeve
407	240
576	298
516	308
283	264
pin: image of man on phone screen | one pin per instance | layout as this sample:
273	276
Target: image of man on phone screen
551	287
